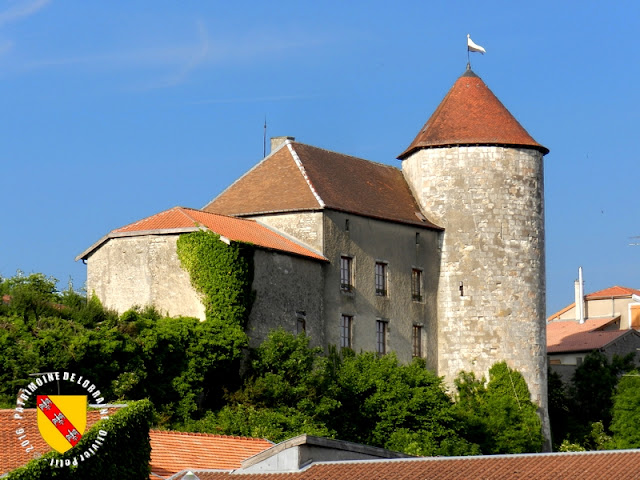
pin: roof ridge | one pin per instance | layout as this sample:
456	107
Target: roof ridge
348	155
628	289
182	211
206	434
303	171
161	213
478	458
280	147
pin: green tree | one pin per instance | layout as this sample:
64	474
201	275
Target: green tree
391	405
591	391
559	408
499	416
31	296
626	411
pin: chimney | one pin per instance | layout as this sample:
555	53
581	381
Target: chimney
579	296
276	142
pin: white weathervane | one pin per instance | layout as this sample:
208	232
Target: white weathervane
473	47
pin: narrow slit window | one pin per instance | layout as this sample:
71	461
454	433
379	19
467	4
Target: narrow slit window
301	322
346	274
416	285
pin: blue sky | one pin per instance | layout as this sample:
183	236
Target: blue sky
113	111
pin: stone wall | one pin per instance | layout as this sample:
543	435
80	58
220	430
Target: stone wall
145	270
287	288
368	241
142	270
491	294
305	227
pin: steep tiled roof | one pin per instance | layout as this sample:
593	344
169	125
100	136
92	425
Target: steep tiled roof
180	219
615	291
602	465
299	177
12	455
571	336
172	452
470	114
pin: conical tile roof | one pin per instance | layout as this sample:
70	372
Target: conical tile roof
470	114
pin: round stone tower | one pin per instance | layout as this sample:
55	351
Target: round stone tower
478	173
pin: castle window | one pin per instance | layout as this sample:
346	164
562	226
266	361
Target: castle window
346	324
346	274
301	322
416	285
417	341
381	337
381	279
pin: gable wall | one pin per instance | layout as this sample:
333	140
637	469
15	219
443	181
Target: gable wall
601	308
142	270
306	227
609	307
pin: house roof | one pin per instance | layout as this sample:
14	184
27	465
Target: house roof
470	114
296	452
599	465
615	291
13	455
173	451
181	220
298	177
570	336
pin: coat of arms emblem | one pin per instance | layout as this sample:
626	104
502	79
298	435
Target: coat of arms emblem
62	419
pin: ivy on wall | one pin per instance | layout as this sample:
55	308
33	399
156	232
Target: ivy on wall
223	275
123	451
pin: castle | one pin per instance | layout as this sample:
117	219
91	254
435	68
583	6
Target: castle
443	259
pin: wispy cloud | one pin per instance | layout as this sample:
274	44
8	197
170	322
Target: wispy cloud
169	65
197	58
21	10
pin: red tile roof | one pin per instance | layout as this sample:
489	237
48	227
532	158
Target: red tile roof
12	455
181	219
470	114
571	336
602	465
299	177
172	452
615	291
